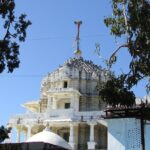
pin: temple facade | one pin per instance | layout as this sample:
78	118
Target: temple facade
69	104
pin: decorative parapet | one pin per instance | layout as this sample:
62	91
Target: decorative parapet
59	114
89	115
61	90
56	114
26	118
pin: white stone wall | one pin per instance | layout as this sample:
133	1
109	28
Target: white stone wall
124	134
90	103
55	79
147	136
61	103
79	80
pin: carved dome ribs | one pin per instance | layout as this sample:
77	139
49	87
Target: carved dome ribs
86	65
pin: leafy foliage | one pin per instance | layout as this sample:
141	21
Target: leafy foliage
14	31
130	21
114	93
4	133
131	18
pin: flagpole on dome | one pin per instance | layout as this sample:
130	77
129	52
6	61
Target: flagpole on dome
78	52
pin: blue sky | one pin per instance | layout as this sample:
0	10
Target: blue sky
50	42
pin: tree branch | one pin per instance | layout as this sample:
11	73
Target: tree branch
7	31
125	15
10	20
114	53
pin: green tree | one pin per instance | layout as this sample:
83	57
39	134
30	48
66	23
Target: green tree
13	31
130	21
4	133
115	93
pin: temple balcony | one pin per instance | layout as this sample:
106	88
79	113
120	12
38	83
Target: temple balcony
88	115
71	115
57	91
58	115
26	118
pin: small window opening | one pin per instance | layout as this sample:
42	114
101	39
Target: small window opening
65	84
67	105
66	136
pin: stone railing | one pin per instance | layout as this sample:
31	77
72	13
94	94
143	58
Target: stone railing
59	113
26	118
55	114
88	115
61	90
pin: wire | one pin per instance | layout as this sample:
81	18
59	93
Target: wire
62	37
23	76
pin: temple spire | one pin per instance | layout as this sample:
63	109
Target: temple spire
78	52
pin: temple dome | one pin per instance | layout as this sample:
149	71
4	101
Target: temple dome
49	137
82	64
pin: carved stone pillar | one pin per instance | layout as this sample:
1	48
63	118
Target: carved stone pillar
71	137
72	102
91	143
17	135
25	135
54	106
49	104
76	104
29	128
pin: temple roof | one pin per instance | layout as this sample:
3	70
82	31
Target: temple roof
32	106
76	68
83	64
